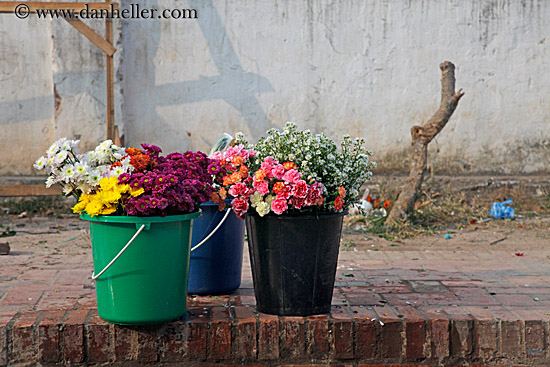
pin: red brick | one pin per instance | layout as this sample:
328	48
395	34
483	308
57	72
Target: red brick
484	333
293	338
24	338
73	335
220	334
365	332
438	328
342	332
98	338
415	333
510	334
125	343
147	344
391	327
172	341
245	333
48	336
461	334
534	339
268	337
3	345
197	341
510	339
317	329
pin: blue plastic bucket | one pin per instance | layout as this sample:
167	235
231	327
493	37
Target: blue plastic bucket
215	267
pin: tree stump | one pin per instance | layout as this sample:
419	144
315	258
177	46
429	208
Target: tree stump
421	137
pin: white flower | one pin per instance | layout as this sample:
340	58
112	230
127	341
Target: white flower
255	199
263	208
103	170
94	177
52	150
40	163
67	172
269	199
67	190
61	156
117	171
85	187
81	169
50	181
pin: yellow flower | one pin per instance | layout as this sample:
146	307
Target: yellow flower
82	202
109	209
122	188
109	196
107	183
94	207
137	192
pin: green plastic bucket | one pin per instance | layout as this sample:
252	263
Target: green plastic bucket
147	283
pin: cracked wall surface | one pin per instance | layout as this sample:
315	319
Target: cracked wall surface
368	68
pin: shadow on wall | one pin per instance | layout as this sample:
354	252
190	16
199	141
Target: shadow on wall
233	84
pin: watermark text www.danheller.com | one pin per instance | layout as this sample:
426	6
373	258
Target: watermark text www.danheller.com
134	11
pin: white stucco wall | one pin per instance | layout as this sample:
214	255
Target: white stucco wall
366	68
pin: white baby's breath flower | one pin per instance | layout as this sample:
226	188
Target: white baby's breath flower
40	163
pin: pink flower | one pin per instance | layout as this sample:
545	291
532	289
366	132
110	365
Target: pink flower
267	165
279	206
284	193
240	206
300	189
278	171
292	176
261	186
239	189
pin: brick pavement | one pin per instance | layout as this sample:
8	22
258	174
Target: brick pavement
439	307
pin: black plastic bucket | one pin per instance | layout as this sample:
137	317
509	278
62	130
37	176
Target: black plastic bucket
294	260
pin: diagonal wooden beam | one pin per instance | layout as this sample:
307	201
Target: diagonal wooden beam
90	34
9	6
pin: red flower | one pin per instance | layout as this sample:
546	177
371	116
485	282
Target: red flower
240	206
338	203
289	165
300	190
342	191
214	198
387	204
278	187
376	203
369	199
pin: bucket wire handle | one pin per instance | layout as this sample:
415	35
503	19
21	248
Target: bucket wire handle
94	277
213	231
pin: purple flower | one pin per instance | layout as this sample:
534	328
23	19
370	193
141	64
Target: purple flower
124	178
153	150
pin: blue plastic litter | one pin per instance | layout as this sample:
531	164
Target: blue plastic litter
501	211
447	236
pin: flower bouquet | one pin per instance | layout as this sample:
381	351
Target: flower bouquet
293	188
140	205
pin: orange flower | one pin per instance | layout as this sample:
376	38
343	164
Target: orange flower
278	187
235	177
369	199
243	171
223	193
259	175
321	201
387	204
227	181
289	165
221	205
338	203
214	198
342	191
237	160
376	203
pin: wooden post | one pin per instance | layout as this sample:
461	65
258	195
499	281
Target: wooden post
111	133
